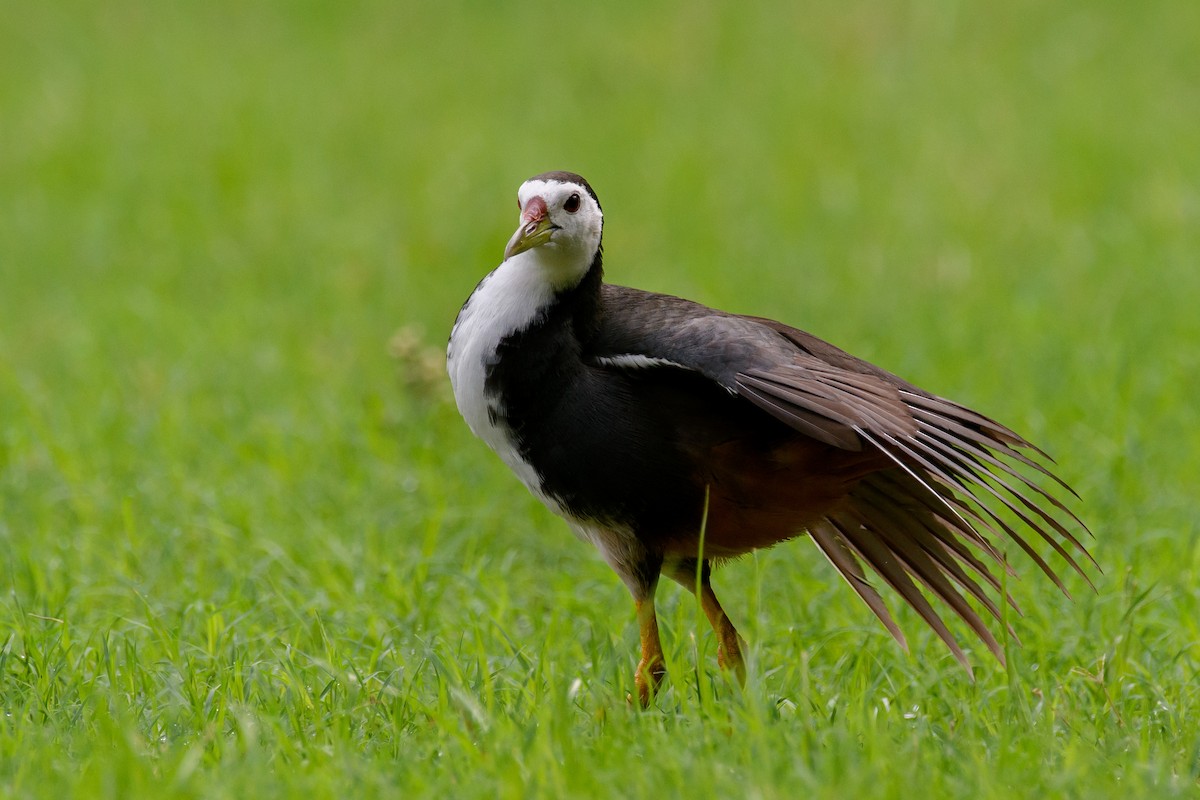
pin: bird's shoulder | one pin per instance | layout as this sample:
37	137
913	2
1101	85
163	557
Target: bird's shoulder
813	386
638	322
666	329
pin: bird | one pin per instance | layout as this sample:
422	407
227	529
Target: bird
676	437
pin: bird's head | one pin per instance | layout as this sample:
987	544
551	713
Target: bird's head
561	223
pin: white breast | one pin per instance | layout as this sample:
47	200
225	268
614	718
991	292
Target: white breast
506	301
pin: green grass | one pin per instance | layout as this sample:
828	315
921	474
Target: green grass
249	550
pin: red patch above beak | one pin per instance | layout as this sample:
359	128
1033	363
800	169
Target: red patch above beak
535	210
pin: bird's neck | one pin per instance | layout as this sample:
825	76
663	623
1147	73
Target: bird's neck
531	361
562	325
581	304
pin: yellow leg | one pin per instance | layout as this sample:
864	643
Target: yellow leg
729	644
652	668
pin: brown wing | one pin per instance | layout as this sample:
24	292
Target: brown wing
959	477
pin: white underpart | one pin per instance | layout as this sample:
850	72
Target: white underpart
507	301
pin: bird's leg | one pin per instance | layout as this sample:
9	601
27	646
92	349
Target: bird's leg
652	668
640	570
729	647
729	643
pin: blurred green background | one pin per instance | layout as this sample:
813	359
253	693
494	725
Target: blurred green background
249	549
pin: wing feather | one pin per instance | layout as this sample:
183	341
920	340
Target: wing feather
960	479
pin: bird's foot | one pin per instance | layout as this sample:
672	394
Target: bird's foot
729	656
648	679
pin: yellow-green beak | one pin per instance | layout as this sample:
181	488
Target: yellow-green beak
536	229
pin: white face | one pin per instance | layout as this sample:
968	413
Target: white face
571	227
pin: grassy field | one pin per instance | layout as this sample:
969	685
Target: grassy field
248	548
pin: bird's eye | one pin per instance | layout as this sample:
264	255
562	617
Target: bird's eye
572	204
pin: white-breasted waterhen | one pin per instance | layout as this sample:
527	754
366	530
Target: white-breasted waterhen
655	426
